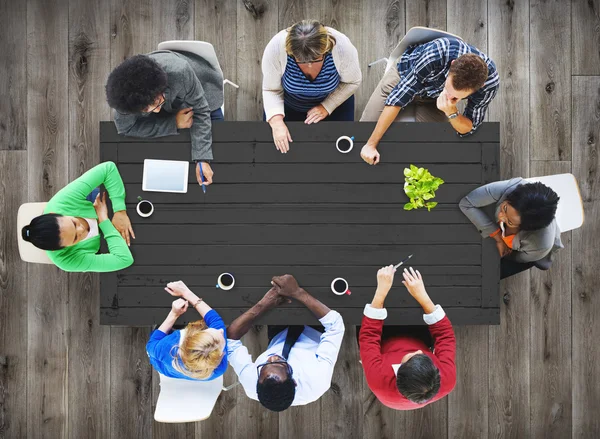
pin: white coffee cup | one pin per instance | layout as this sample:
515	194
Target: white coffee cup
226	281
339	286
142	208
344	139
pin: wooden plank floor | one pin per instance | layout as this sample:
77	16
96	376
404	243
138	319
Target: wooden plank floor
64	376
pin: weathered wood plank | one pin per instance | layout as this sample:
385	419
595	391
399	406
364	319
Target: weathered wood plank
343	401
585	37
468	402
13	74
89	343
248	132
215	23
251	417
550	82
430	421
47	140
428	13
585	293
345	255
286	315
274	193
317	152
13	299
267	234
222	421
550	320
508	46
257	23
130	383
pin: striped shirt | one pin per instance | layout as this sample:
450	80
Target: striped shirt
423	71
302	94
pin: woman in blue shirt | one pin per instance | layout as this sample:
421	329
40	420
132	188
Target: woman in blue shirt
198	352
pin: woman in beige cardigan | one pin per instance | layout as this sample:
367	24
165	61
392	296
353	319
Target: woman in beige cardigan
310	74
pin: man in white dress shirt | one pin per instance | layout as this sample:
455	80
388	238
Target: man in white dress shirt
297	367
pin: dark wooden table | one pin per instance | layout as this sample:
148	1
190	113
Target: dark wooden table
314	213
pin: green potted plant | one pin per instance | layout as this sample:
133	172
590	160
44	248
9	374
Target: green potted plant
420	187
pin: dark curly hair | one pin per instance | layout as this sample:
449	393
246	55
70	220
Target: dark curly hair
276	395
418	379
135	84
536	204
469	72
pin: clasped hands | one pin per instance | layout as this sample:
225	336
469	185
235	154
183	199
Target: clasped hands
284	288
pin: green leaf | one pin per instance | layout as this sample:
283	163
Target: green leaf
431	205
409	206
428	196
407	172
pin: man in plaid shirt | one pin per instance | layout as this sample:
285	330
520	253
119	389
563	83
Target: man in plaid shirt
445	69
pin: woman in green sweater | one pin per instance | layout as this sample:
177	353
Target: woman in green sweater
69	228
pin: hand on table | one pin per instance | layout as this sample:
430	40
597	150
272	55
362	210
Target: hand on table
370	154
316	114
281	134
287	286
100	207
207	171
123	225
179	307
179	289
184	118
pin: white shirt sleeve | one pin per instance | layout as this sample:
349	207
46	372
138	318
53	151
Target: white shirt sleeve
241	361
435	316
375	313
331	339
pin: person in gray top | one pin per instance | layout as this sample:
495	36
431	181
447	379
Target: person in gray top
156	94
524	226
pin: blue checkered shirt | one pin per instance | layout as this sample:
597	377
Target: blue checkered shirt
423	71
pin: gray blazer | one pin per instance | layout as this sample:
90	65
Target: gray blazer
527	246
192	82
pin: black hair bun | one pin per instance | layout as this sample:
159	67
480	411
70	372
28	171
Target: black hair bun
25	233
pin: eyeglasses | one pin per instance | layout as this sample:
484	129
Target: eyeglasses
290	371
159	105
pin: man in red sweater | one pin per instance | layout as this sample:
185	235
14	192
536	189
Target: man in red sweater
402	371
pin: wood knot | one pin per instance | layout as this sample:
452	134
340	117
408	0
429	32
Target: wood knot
550	87
510	4
481	24
591	140
583	296
256	11
115	302
90	323
506	299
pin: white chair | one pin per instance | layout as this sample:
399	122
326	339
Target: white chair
415	35
27	251
202	49
187	401
569	212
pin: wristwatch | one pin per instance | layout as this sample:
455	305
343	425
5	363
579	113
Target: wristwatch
453	115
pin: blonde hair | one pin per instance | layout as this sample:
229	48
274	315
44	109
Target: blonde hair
308	40
200	352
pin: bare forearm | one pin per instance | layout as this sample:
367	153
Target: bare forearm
426	303
167	325
379	298
240	326
319	309
388	115
462	124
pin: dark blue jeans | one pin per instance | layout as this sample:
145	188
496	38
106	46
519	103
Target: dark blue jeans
217	115
345	112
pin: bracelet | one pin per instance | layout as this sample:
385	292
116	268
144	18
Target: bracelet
197	302
453	115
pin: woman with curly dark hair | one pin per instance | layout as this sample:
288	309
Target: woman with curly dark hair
157	94
524	225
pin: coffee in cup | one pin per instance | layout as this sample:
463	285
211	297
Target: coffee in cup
144	208
344	144
339	286
226	281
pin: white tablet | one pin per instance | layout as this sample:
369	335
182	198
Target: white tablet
165	176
